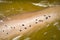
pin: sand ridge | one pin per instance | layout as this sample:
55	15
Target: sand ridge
21	24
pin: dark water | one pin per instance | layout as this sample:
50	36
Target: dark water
51	32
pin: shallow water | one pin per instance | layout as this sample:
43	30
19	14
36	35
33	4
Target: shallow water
50	32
